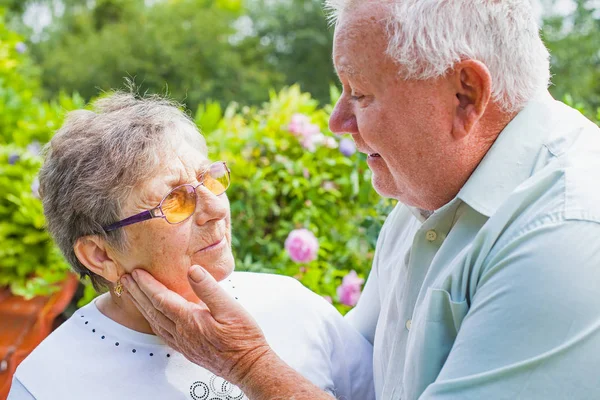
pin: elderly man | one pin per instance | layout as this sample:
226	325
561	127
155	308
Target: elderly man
485	275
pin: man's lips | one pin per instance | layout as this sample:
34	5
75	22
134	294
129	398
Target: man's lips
369	153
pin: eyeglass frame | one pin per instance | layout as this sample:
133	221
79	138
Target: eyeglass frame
154	212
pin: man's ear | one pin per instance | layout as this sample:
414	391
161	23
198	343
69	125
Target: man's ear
472	83
93	252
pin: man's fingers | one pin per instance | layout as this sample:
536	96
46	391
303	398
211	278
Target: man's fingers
208	290
160	298
155	317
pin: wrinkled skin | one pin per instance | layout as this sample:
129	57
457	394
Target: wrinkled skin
225	349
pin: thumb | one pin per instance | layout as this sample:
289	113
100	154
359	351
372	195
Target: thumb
210	292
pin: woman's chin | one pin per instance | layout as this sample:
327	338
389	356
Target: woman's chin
220	266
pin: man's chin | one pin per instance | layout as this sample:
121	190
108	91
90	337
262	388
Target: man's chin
384	187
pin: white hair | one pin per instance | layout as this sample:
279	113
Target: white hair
98	158
428	37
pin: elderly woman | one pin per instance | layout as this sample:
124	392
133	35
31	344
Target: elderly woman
130	186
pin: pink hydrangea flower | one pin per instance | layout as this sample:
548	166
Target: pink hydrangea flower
309	135
328	299
311	141
349	291
302	246
298	123
331	143
329	186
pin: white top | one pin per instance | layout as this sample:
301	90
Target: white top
495	295
92	357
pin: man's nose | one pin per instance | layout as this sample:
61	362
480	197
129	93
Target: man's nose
342	119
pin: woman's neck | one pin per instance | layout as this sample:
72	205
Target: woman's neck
124	312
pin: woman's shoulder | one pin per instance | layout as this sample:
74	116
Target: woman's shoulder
85	353
262	279
277	293
54	353
268	285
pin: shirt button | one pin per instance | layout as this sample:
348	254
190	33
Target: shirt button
408	324
431	235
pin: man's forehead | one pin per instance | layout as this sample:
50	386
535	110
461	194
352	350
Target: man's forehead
354	49
344	67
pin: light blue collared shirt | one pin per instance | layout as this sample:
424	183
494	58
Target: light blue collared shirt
497	294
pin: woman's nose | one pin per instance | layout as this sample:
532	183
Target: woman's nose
209	206
342	118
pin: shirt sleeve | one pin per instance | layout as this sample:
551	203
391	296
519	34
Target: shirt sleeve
351	360
363	317
18	391
533	327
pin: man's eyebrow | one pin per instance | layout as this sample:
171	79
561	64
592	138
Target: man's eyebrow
346	69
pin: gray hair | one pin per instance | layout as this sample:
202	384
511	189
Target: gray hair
428	37
95	160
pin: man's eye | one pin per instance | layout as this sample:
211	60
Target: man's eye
355	97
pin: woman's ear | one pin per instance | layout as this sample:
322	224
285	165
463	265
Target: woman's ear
94	254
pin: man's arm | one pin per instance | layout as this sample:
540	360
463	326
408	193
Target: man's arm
533	328
364	316
219	336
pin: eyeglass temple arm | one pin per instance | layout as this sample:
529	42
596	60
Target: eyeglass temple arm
143	216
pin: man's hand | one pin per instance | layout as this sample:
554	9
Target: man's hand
218	335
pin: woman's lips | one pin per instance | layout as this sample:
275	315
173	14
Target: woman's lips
212	246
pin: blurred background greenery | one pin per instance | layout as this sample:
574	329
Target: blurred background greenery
245	70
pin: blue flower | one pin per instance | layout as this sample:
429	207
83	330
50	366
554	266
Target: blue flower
13	159
35	188
21	47
35	148
347	147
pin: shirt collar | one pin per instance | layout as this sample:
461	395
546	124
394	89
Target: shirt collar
511	159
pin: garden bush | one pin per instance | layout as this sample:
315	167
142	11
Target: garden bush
290	175
29	262
301	199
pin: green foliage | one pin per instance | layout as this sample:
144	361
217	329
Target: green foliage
279	186
224	50
294	38
197	49
29	262
180	47
573	43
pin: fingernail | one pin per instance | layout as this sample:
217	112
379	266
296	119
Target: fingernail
125	280
135	274
197	273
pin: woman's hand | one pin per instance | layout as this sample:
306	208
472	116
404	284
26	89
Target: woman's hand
219	335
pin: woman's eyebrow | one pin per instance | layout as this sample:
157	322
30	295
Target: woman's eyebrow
177	180
203	167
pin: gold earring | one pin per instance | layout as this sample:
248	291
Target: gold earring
118	289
